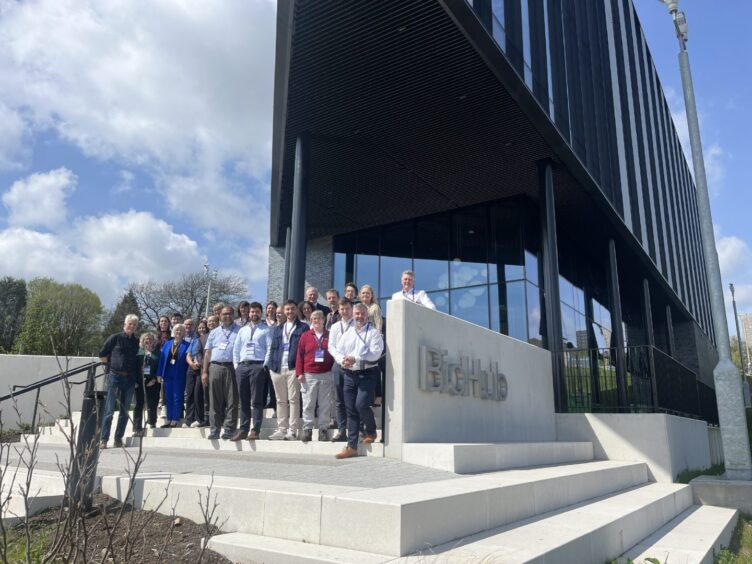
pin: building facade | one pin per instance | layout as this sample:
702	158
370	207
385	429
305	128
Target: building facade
520	157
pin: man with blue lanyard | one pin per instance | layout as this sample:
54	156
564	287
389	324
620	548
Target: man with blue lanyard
358	352
219	373
281	364
249	353
409	292
343	324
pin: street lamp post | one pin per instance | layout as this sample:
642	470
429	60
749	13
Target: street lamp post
728	385
211	276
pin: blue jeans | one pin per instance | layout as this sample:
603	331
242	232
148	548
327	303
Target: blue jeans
119	391
358	390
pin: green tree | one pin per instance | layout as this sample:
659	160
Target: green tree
125	306
12	303
62	319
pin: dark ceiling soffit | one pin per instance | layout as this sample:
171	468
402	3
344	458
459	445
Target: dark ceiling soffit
283	51
468	23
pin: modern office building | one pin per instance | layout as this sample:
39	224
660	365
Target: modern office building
520	157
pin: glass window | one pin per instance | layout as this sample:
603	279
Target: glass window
471	304
440	300
366	270
535	331
568	326
493	309
431	263
396	256
531	267
566	291
579	299
469	248
513	310
340	262
506	235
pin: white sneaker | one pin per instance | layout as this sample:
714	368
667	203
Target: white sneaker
195	424
291	435
277	435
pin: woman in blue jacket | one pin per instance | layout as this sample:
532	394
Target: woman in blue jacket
172	370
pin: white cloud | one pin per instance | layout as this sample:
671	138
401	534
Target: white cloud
102	253
714	155
178	88
126	182
735	259
39	199
13	150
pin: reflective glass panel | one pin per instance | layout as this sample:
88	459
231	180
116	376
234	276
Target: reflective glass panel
535	334
440	300
471	304
506	261
396	256
579	299
513	310
469	248
366	270
431	263
493	291
531	267
566	291
568	326
340	260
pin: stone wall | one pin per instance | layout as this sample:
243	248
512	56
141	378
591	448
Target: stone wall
319	268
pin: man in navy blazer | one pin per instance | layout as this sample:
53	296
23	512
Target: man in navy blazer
280	361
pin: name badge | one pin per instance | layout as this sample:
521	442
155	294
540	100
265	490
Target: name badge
147	370
319	355
286	347
222	346
172	361
251	347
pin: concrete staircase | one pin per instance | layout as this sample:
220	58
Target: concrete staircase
511	502
46	489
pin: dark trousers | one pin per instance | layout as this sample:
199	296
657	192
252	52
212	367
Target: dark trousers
251	378
223	406
338	374
138	411
269	391
152	401
119	394
194	405
358	390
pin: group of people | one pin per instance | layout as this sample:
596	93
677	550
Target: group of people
319	363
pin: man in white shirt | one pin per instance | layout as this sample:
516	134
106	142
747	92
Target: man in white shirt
342	325
358	352
409	292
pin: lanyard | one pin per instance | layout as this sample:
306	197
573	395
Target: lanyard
412	291
319	342
286	332
344	328
227	334
363	339
253	330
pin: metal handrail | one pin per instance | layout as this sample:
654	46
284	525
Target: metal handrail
91	376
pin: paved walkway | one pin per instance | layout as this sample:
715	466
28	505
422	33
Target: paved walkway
365	471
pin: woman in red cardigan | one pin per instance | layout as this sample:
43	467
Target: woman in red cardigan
313	368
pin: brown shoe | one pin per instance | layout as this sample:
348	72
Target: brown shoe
346	452
253	436
368	439
239	436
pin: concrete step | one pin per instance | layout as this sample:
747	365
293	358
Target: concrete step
315	447
487	457
245	548
694	537
595	531
394	520
46	490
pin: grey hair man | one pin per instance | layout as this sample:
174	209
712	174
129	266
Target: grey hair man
409	292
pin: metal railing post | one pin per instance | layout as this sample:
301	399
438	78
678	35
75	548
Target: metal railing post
84	471
34	415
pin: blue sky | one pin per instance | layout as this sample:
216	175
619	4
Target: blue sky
136	136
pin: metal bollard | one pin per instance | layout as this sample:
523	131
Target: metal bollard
86	457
